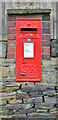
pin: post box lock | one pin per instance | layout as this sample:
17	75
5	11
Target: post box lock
28	49
23	59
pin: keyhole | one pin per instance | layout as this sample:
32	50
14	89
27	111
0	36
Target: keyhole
23	59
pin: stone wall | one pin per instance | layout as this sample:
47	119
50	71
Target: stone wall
27	99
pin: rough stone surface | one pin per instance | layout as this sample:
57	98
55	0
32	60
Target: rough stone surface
45	106
21	95
12	70
54	47
0	71
3	49
32	88
50	100
5	72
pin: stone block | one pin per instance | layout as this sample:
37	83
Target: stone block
19	106
0	49
8	97
47	63
12	70
15	116
50	77
1	86
24	111
10	89
50	100
35	94
53	48
38	116
32	88
26	106
7	62
14	107
57	87
50	81
54	110
21	95
44	106
49	68
14	101
3	46
29	100
49	92
0	71
4	94
8	80
5	72
32	100
4	102
41	111
8	112
0	62
39	99
1	102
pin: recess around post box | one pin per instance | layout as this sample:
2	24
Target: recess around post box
28	49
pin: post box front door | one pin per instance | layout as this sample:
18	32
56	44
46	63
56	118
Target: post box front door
28	49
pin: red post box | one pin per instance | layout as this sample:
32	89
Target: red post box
28	49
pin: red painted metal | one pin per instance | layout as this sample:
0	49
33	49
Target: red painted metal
28	39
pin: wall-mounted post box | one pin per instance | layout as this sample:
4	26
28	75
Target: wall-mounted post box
28	49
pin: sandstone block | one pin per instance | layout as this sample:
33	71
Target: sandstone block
19	106
5	72
12	70
41	111
14	101
9	89
14	116
4	102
